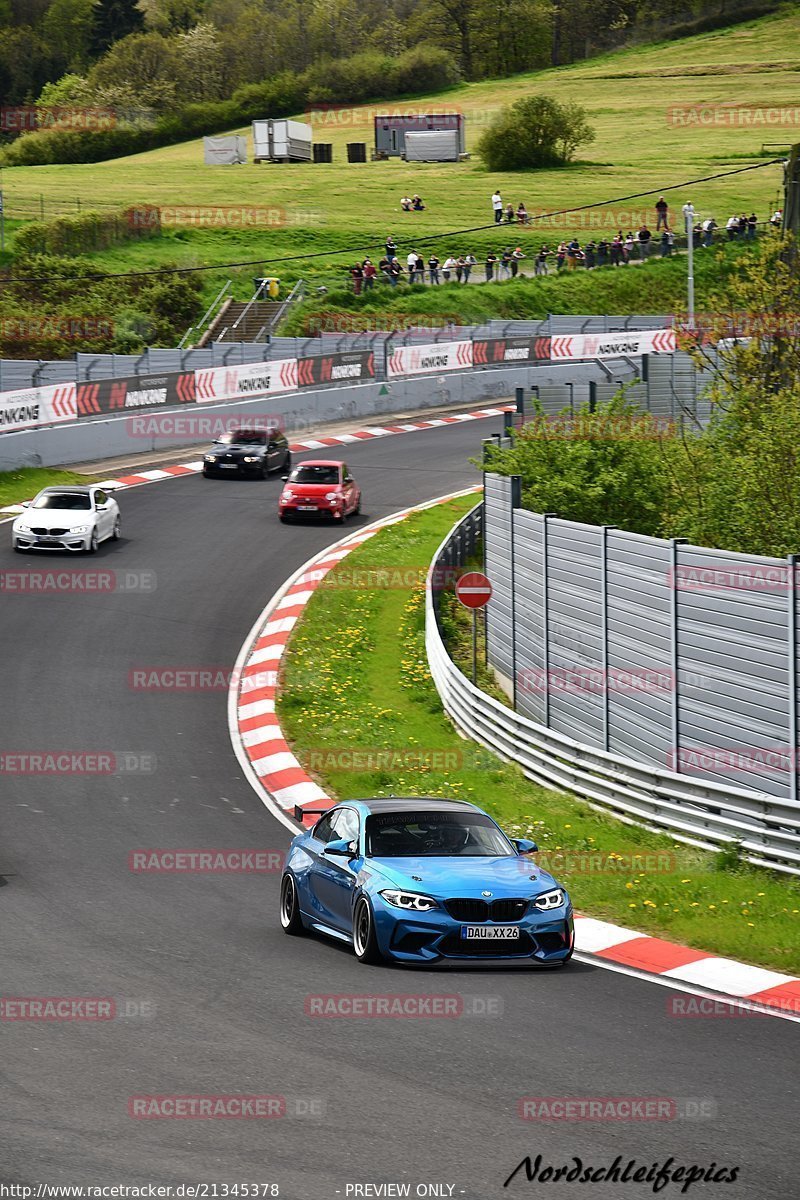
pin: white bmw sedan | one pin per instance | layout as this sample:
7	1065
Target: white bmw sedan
67	518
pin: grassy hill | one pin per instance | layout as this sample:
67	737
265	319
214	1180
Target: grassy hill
348	208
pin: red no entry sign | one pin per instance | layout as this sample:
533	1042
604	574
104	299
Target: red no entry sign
473	590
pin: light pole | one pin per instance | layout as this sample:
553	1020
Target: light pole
689	219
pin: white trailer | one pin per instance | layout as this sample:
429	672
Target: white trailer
281	141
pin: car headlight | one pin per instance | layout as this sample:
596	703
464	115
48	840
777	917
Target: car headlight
80	529
288	494
548	900
332	496
411	901
22	528
250	458
209	458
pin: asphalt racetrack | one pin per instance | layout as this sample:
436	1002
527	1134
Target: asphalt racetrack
217	993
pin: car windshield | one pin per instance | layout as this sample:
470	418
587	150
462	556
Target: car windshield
77	500
312	474
243	437
435	835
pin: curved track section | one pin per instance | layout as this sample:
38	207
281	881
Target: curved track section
218	996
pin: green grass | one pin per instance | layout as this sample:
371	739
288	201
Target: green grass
342	206
356	679
23	484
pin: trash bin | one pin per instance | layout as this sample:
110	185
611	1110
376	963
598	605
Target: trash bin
356	152
323	152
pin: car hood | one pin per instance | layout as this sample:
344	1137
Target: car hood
57	518
467	877
238	448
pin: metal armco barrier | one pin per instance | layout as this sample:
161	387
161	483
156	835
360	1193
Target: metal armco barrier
691	809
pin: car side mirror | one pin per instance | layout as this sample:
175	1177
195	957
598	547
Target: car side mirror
285	478
348	478
525	845
339	848
102	507
25	504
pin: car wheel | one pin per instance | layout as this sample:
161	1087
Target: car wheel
116	533
206	474
91	547
263	471
291	921
365	942
357	509
17	547
287	466
283	518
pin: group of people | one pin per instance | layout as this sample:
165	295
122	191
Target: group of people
412	203
507	212
616	252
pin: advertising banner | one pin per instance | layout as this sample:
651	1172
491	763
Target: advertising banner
30	407
429	358
100	396
333	368
489	351
251	379
613	345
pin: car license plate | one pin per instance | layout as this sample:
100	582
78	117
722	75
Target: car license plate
229	466
307	507
490	933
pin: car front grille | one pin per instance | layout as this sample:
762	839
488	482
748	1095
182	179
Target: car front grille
481	910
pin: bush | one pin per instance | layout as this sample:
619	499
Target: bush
534	132
423	69
81	234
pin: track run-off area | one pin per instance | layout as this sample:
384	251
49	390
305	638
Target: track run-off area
210	997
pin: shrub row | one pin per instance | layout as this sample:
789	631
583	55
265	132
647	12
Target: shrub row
81	234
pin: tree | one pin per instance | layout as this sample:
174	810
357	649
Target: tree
142	66
112	21
536	131
171	16
67	26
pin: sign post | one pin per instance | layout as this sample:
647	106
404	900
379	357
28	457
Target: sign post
474	591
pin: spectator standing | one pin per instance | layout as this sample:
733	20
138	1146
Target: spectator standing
516	258
627	249
391	247
357	272
491	259
589	252
573	250
708	227
383	267
670	241
602	252
433	268
662	214
561	254
505	263
369	274
752	225
497	207
732	227
395	271
776	220
459	268
448	265
522	214
644	235
616	250
470	261
665	247
742	226
420	269
411	265
541	261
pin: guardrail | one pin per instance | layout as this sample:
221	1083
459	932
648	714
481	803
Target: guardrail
694	811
